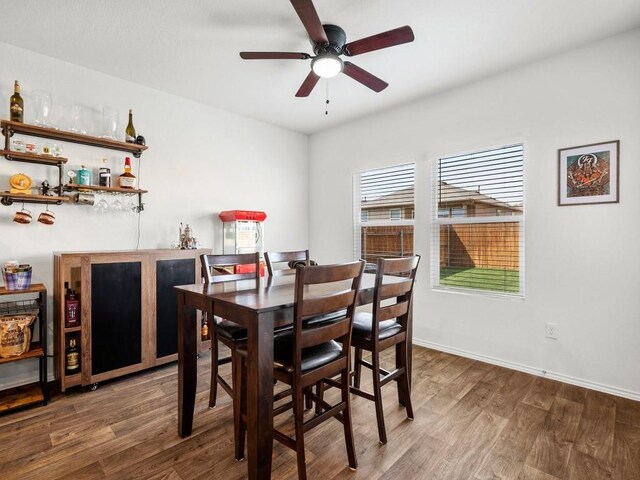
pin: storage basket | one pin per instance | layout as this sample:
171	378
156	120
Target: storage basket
17	280
15	335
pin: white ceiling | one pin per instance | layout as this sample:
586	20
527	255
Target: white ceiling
190	47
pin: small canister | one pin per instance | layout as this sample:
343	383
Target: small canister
85	198
105	177
84	176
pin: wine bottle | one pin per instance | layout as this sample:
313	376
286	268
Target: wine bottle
71	309
72	358
16	105
130	132
127	179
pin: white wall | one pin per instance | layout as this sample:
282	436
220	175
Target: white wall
200	161
582	262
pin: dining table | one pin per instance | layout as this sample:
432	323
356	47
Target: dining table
259	306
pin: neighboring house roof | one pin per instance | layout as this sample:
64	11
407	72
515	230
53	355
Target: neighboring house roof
449	194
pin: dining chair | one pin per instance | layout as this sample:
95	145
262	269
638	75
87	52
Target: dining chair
313	352
275	261
219	269
384	328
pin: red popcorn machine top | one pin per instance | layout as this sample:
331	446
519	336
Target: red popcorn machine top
243	233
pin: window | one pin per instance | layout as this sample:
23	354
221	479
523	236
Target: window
381	229
477	238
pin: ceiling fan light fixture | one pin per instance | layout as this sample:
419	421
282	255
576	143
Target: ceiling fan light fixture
327	65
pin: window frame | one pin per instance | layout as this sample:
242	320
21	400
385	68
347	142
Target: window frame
436	221
358	223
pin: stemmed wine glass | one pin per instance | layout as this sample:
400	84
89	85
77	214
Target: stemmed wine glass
101	205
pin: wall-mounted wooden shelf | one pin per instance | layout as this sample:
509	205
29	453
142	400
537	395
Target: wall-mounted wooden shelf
8	198
75	187
33	158
10	128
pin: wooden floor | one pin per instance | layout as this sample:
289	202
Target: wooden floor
472	421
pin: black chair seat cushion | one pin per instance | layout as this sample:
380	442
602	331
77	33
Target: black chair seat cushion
236	333
312	357
362	327
231	331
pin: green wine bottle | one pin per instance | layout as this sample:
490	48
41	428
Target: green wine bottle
16	106
130	132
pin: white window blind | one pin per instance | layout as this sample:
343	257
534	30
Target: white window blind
383	213
477	238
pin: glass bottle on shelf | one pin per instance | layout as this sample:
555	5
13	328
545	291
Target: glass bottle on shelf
16	104
130	132
72	358
71	308
127	179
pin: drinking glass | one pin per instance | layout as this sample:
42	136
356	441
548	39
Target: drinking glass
110	123
42	107
76	117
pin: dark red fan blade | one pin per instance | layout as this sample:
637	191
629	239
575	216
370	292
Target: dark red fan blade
274	56
364	77
397	36
307	13
307	85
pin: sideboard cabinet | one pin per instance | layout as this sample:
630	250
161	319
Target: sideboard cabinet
127	310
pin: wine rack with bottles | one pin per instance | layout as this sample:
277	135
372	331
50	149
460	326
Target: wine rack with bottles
9	128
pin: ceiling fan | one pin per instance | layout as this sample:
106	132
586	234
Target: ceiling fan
329	42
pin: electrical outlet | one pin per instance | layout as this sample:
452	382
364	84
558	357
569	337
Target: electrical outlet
551	330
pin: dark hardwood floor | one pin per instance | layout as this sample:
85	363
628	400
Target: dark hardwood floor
472	421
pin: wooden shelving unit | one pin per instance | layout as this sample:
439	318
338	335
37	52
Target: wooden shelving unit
38	392
10	128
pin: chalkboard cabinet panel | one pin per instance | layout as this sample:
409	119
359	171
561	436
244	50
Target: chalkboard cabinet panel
127	310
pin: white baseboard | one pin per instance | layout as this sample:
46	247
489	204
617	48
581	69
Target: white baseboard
620	392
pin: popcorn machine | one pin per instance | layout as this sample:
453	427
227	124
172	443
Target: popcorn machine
243	233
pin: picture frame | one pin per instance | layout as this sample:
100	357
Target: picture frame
589	174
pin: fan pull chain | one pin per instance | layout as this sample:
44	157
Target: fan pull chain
326	108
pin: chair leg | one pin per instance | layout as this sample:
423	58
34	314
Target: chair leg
320	395
239	404
298	413
377	392
213	390
346	420
308	403
404	389
357	367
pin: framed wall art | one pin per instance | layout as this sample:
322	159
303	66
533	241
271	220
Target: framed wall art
589	174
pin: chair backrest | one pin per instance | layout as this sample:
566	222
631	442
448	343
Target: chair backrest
220	268
272	259
321	290
400	275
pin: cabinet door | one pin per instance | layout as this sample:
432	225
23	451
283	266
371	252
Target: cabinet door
116	328
170	273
